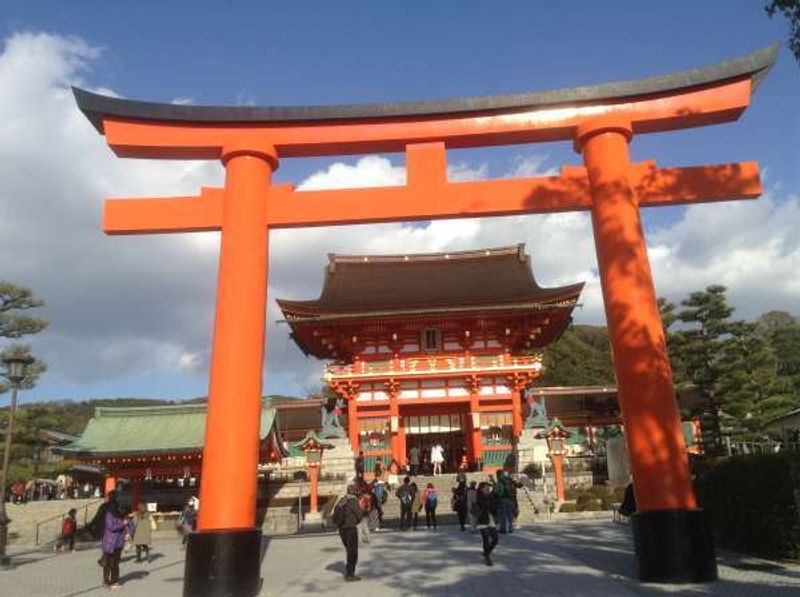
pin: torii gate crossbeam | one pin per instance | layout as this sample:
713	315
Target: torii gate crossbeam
671	534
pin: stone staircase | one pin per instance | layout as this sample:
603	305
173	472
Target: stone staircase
287	486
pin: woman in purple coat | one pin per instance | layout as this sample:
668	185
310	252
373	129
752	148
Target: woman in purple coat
112	543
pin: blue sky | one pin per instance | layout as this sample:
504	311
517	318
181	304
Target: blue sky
343	52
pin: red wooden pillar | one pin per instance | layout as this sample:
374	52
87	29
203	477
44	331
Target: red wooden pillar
516	409
228	544
313	473
558	470
671	535
352	423
474	386
646	393
230	456
395	427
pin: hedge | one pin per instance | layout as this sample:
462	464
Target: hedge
754	503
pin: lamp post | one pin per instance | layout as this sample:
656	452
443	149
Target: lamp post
313	448
16	366
556	436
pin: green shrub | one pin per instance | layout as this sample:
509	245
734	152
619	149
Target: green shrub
587	503
568	507
533	471
599	491
754	503
572	493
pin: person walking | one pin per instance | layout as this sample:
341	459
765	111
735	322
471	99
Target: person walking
504	501
346	516
413	458
113	541
365	503
437	458
188	521
143	533
379	492
485	515
406	498
459	504
416	505
69	526
472	498
461	475
430	498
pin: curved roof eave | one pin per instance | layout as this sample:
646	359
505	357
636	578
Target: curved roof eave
314	310
96	106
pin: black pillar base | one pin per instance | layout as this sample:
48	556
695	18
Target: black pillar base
674	546
223	563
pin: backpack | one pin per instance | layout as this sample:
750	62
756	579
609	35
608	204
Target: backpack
338	514
68	526
432	501
405	496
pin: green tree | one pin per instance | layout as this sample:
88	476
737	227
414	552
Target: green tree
580	357
748	383
791	10
14	324
782	332
698	353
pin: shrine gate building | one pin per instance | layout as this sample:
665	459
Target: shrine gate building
432	348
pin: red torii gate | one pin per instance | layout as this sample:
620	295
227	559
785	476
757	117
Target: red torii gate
671	535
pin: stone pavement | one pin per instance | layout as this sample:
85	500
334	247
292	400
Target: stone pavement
568	558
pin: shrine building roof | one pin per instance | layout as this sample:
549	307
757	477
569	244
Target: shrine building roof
360	286
116	431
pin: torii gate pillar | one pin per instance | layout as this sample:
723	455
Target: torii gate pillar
222	552
671	535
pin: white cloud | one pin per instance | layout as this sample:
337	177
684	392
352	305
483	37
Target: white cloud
128	306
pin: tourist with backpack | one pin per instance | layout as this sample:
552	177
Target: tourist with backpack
406	496
485	514
69	527
346	517
431	499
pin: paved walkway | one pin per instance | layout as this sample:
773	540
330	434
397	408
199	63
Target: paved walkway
578	558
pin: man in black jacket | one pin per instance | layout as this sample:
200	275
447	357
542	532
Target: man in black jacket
346	516
405	493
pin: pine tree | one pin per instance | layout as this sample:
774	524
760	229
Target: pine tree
15	324
782	332
748	382
698	351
